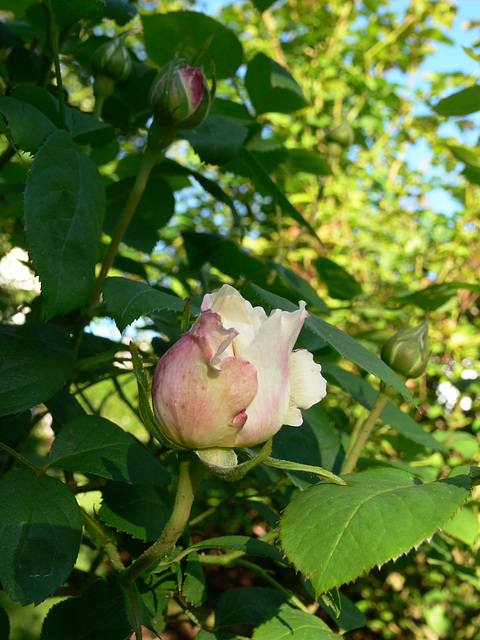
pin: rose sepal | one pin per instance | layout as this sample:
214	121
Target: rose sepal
222	461
287	465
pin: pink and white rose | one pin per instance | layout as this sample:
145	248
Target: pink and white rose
234	379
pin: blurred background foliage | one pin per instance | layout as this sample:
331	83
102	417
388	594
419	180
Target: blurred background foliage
390	188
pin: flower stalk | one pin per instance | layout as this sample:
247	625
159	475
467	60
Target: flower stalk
190	474
359	439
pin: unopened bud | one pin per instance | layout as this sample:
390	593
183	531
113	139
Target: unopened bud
407	351
111	64
180	96
342	134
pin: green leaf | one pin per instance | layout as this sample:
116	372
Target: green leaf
436	295
98	613
95	445
32	371
64	209
262	5
263	182
289	623
120	11
461	103
68	12
247	605
165	32
156	207
217	140
303	288
464	525
271	87
346	346
349	618
326	439
85	129
341	285
40	534
128	300
139	510
333	534
25	125
302	160
194	588
365	395
252	546
4	624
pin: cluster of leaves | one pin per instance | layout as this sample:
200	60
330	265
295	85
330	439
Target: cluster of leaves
268	197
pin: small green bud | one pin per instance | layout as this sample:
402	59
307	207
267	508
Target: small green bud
342	134
334	150
111	64
180	96
407	351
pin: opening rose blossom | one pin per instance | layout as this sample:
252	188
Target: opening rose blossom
234	379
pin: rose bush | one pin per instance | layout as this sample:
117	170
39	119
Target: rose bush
234	379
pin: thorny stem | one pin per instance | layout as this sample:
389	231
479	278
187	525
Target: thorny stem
56	62
360	438
190	475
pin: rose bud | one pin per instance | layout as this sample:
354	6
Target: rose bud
342	134
233	380
180	96
111	64
407	351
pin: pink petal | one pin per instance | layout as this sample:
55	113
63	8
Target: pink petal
198	399
270	353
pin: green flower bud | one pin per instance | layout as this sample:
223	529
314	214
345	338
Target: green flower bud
111	64
407	351
342	134
180	96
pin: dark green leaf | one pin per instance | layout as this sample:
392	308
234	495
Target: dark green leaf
95	445
128	106
308	162
14	427
364	394
247	606
85	129
194	588
64	407
333	534
165	32
262	5
32	371
252	546
346	346
271	87
436	295
289	623
262	180
341	285
99	613
304	289
64	209
40	534
350	617
68	12
128	300
217	140
25	125
4	624
156	207
120	10
139	510
461	103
